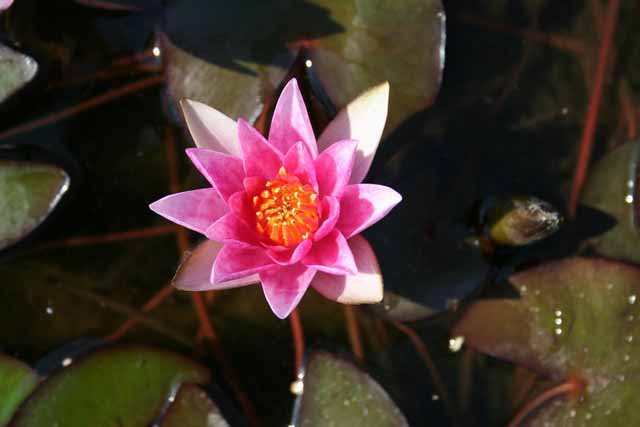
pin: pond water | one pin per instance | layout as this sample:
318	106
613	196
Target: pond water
510	267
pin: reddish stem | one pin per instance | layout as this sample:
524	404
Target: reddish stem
118	236
586	143
82	106
628	109
353	332
573	386
298	338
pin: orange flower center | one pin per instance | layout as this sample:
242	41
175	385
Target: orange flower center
286	210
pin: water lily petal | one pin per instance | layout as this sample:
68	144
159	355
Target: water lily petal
331	255
223	171
196	209
234	262
5	4
290	123
365	287
194	273
260	158
333	167
362	205
254	185
240	205
284	287
290	256
230	229
330	215
298	162
362	120
210	128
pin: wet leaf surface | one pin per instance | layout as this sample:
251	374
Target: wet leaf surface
612	189
193	408
125	386
338	393
576	317
30	192
17	381
16	70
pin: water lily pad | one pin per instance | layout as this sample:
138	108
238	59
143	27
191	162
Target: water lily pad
16	70
30	192
193	408
575	318
337	393
611	188
126	386
17	380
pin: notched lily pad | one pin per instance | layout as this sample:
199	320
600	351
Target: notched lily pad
16	70
124	386
338	393
577	317
30	192
17	381
193	408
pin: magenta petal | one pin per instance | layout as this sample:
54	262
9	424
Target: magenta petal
259	156
239	204
194	273
331	255
5	4
362	205
254	185
290	256
234	262
230	229
196	209
333	167
223	171
290	123
284	287
210	128
298	162
365	287
330	215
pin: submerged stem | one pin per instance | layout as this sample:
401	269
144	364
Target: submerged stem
298	339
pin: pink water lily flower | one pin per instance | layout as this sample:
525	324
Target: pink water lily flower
285	211
5	4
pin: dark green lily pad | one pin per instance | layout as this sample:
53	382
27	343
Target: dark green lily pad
337	393
125	386
16	70
611	188
576	318
17	381
193	408
30	192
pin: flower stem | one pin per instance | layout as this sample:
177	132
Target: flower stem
298	339
353	332
118	236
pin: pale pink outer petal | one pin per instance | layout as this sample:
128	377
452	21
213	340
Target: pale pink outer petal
362	205
5	4
365	287
331	255
210	128
363	120
195	209
284	287
288	256
333	167
290	122
194	273
298	162
234	262
230	229
330	215
260	158
223	171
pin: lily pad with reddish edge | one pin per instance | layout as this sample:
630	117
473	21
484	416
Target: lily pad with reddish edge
575	318
17	381
30	192
16	70
612	189
124	386
336	392
193	408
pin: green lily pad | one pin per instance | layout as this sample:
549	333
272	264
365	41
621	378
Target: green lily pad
611	189
337	393
16	70
30	192
193	408
124	386
575	318
17	381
